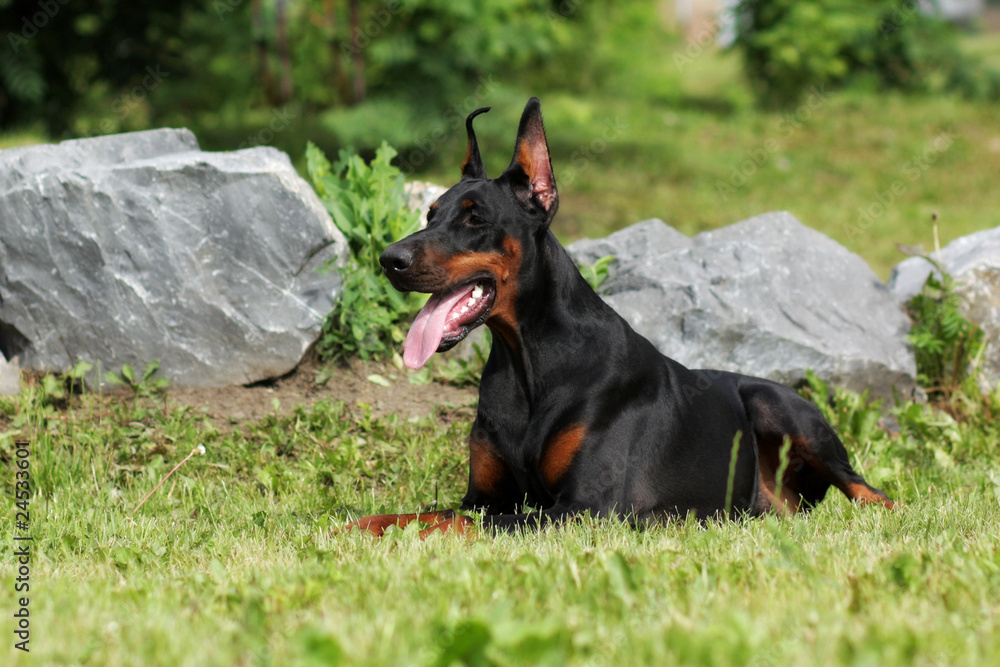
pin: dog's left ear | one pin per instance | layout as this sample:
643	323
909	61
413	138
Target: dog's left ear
530	171
472	166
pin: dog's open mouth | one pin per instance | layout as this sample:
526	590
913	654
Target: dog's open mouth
446	319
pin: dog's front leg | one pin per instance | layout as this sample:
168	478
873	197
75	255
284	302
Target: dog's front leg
507	523
377	524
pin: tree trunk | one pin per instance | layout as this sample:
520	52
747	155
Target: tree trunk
359	54
286	63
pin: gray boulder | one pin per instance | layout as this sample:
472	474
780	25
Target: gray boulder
962	258
140	247
767	297
974	262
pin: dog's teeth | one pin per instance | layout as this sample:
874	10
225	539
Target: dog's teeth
465	309
476	293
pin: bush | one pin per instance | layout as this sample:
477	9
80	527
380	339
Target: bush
368	205
789	46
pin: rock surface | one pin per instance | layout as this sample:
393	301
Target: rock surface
420	195
139	247
767	297
10	377
974	262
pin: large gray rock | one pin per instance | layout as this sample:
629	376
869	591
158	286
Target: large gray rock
974	262
140	247
767	297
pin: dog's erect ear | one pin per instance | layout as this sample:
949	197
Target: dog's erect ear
472	166
530	171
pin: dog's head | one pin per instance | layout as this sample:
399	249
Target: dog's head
480	235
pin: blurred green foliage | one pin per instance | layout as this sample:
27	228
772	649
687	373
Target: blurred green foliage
351	74
791	46
238	72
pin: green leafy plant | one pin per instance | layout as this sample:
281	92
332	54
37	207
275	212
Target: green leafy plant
143	386
855	417
466	372
944	341
41	398
368	205
595	274
55	390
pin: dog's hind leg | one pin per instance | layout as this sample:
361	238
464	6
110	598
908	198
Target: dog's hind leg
816	457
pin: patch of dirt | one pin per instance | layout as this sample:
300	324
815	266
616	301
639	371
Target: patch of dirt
347	382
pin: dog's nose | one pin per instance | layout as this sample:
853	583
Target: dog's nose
396	259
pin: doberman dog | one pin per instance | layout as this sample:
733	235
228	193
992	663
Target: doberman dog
577	412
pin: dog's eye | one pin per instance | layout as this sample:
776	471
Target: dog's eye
474	220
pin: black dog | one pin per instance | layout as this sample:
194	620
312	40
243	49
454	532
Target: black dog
578	412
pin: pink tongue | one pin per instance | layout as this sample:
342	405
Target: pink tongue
427	329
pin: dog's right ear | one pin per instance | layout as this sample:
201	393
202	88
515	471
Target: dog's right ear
530	170
472	166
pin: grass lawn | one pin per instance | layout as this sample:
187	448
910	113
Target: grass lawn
231	561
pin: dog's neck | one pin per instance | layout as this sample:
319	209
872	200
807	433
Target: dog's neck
558	303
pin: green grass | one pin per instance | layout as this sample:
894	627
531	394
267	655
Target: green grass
231	561
22	138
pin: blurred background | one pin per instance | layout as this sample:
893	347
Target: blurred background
870	120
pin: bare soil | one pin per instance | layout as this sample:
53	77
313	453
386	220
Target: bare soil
348	382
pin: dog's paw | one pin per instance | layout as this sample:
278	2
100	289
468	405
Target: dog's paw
459	525
375	524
